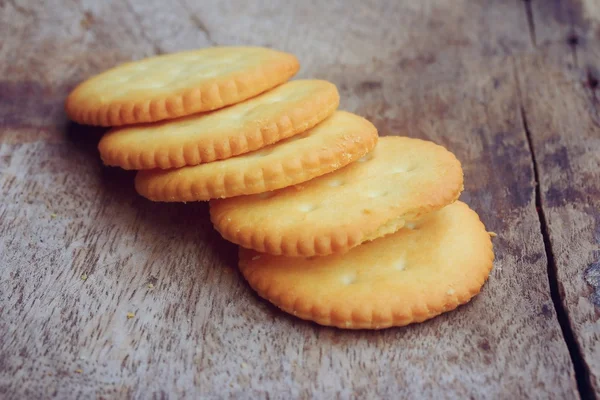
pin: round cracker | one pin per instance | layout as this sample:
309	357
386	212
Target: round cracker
285	111
401	179
174	85
409	276
339	140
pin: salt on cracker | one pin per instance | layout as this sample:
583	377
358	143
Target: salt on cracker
178	84
400	180
339	140
285	111
406	277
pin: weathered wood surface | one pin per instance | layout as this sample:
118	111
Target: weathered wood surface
561	102
461	73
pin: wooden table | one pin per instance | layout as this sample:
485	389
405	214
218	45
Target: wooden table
511	87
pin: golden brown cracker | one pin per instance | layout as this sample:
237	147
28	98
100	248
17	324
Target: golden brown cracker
400	180
178	84
285	111
339	140
410	276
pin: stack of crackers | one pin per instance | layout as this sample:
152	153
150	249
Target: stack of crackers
334	224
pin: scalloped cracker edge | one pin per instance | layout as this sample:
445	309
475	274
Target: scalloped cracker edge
174	85
334	143
399	181
285	111
410	276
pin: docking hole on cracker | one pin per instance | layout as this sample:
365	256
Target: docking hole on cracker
408	276
338	141
334	224
337	222
173	85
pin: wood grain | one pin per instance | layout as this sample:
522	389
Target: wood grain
444	71
561	103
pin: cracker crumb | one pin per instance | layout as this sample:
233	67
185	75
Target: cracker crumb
79	371
492	234
83	277
150	286
130	315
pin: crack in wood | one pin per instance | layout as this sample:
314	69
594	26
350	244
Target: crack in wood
573	42
592	82
582	373
581	369
592	78
530	21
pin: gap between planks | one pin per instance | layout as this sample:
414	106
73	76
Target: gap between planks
582	373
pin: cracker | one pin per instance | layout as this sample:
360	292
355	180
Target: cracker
285	111
174	85
339	140
401	179
406	277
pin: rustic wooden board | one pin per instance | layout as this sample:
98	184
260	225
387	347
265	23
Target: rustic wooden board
561	100
431	69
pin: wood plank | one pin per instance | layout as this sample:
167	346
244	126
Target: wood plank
427	69
560	98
